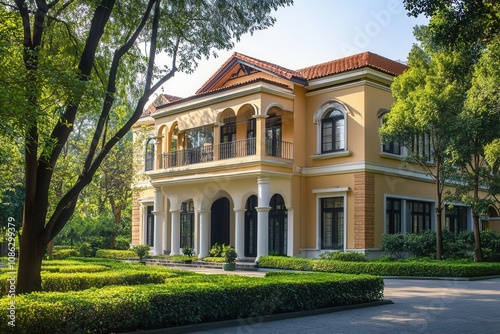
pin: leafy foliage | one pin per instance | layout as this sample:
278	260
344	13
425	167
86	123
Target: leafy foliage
192	299
343	256
141	251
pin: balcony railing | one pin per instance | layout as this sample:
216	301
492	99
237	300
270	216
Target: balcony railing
234	149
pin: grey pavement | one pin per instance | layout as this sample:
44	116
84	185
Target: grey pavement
419	306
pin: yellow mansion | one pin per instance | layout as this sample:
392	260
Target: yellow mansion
284	162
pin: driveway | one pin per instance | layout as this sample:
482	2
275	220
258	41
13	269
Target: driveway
420	306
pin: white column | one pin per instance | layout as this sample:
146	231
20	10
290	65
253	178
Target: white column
176	232
262	217
204	224
289	239
239	232
158	213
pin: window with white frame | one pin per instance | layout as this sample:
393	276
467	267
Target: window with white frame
455	218
421	146
332	222
149	225
408	215
392	147
331	121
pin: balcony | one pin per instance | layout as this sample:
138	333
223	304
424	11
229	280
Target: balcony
229	150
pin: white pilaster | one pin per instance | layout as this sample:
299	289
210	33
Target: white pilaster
158	213
239	232
204	225
262	217
176	232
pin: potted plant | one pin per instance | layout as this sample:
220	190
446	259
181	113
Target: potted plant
230	256
141	251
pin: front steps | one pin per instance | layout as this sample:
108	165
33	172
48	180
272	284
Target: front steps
240	264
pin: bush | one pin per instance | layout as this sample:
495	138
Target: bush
229	254
188	251
75	268
115	254
141	251
213	259
409	268
394	245
86	250
343	256
490	243
122	243
216	250
61	254
422	244
212	298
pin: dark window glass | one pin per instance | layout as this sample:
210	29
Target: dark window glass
150	155
333	132
420	215
150	225
187	224
393	215
332	223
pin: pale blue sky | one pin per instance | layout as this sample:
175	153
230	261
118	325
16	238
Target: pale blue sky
315	31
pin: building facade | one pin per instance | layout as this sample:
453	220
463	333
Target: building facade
284	162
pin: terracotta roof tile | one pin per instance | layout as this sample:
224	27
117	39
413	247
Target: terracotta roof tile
161	100
366	59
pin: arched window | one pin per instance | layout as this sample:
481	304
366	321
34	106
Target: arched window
333	131
278	226
149	157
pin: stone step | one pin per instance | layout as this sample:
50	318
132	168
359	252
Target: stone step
240	265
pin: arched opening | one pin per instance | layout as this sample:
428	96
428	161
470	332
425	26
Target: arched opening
220	222
278	226
274	132
227	134
251	227
246	128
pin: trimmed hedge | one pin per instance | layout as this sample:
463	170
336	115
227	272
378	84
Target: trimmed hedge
213	298
60	254
418	269
59	281
115	254
85	268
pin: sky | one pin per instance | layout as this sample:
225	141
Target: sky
315	31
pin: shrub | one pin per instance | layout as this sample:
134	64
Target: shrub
213	259
420	268
343	256
188	251
216	250
86	250
122	243
394	245
141	251
86	268
61	254
422	244
229	254
212	298
490	243
115	253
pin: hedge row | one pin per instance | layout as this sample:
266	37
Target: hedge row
115	254
81	281
419	269
85	268
213	298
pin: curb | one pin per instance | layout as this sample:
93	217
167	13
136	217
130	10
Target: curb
252	321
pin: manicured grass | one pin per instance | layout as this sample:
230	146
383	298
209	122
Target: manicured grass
407	268
178	298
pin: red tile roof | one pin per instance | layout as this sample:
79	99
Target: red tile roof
161	100
366	59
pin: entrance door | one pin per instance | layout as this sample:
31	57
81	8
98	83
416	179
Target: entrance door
228	138
273	136
220	222
278	226
251	227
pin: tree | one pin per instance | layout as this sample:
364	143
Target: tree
477	139
82	59
470	28
428	99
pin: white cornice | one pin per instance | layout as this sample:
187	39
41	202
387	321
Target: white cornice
225	95
364	167
349	76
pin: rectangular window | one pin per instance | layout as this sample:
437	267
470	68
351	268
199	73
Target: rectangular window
421	146
420	216
392	148
332	223
187	224
150	224
455	219
393	216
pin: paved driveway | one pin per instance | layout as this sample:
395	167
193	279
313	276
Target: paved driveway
420	306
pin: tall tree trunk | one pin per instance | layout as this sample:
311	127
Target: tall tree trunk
478	252
439	211
30	263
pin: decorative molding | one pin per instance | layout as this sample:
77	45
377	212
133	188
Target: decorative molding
322	156
331	190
